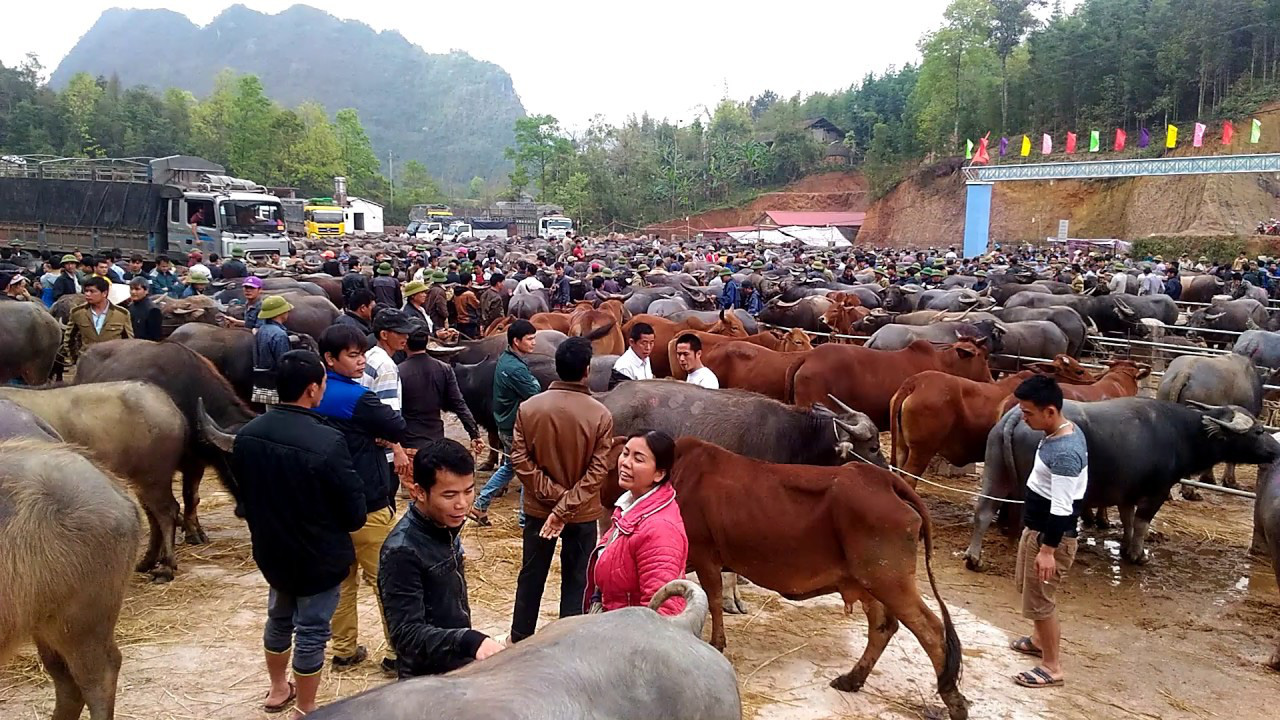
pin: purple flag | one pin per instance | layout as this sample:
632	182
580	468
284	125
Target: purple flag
1004	146
1144	138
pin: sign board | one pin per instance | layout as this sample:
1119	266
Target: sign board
1062	230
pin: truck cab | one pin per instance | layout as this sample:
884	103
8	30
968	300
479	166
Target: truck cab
554	226
225	220
322	218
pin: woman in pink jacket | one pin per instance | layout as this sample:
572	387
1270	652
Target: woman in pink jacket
647	547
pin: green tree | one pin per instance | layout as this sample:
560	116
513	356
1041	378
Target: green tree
79	103
475	188
316	153
250	147
212	120
359	162
1011	20
539	149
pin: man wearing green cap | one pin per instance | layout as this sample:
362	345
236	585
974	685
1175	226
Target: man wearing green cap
729	295
437	305
270	344
235	268
68	282
386	289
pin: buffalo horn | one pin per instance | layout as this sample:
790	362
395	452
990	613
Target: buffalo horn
840	404
1240	421
863	431
210	431
1124	308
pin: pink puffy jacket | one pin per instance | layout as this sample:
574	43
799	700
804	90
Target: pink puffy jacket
644	550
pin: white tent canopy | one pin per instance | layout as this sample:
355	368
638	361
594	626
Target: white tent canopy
828	237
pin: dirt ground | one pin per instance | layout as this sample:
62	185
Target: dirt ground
1183	637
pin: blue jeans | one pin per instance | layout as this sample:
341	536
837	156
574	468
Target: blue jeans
500	479
308	619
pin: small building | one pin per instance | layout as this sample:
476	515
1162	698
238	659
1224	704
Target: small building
823	130
848	223
838	154
362	217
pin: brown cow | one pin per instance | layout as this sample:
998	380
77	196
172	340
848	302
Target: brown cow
866	379
805	531
1120	379
792	341
747	366
498	326
551	321
664	331
845	313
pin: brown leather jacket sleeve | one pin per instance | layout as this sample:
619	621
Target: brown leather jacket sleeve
531	476
589	486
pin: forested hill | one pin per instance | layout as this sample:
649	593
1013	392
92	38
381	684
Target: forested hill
452	112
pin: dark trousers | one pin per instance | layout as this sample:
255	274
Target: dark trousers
579	539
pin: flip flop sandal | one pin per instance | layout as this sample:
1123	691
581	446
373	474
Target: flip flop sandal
1026	647
281	707
1036	677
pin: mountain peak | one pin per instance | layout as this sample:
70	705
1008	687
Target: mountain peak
450	111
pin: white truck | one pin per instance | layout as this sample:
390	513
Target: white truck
554	226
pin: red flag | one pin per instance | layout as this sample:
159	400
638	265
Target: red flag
1071	142
1227	131
980	157
1120	138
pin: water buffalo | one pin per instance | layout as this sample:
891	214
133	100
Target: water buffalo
491	347
18	422
1066	318
928	317
896	337
110	434
188	378
1249	290
1121	435
527	304
952	300
281	285
805	313
176	312
710	317
1219	380
668	306
901	298
1031	339
229	349
1200	288
745	422
69	535
331	285
686	678
29	342
1260	346
1110	313
310	315
638	300
1266	528
1232	315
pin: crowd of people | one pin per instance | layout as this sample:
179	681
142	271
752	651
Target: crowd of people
356	429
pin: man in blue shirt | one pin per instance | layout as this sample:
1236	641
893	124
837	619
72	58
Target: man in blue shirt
269	345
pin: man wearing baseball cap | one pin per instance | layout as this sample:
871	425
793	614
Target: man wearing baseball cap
270	343
391	330
252	288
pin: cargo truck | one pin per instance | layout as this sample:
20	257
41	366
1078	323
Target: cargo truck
322	218
168	205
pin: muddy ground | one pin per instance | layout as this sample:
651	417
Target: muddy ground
1183	637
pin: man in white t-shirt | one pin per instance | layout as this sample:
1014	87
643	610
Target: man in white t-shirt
689	355
529	284
634	364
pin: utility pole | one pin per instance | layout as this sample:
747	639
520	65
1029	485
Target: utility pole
391	172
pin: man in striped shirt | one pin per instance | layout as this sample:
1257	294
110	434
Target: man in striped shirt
391	327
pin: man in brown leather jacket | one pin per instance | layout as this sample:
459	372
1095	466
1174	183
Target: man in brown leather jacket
559	450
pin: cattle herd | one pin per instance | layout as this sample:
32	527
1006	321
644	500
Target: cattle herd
809	379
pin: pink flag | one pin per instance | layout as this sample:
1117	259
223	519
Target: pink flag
1071	142
1046	145
1198	139
1227	131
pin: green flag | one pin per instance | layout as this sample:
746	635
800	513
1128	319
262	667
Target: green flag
968	149
1095	141
1256	134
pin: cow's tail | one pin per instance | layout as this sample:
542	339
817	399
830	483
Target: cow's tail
789	393
895	421
695	604
949	678
1177	385
602	331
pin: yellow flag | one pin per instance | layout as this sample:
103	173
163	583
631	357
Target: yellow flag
1172	140
1026	146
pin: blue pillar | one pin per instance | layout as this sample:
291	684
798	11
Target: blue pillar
977	218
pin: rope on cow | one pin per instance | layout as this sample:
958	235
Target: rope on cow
926	481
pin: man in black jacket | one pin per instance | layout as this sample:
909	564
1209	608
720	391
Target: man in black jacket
302	499
146	318
359	314
429	387
354	280
421	580
364	421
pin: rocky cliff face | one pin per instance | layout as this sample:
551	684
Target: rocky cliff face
452	112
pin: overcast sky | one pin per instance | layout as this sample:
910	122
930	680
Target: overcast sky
575	59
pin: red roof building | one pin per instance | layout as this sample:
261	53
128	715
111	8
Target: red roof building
783	218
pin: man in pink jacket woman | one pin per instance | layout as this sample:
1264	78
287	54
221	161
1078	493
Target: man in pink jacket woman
647	547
